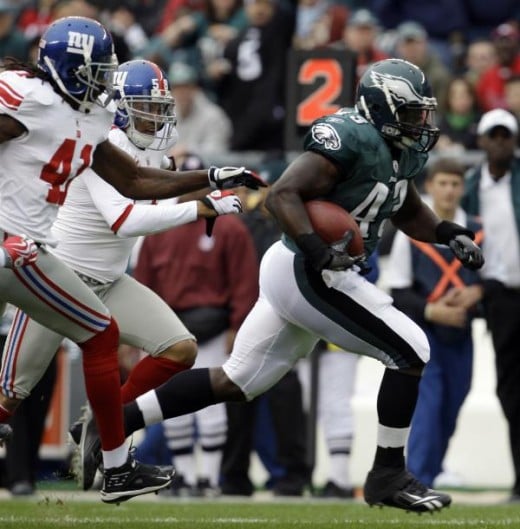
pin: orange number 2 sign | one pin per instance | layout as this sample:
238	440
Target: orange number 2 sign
319	102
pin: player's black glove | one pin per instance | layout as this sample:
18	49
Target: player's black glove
467	252
228	177
330	257
460	241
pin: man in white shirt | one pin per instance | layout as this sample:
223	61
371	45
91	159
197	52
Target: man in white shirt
493	191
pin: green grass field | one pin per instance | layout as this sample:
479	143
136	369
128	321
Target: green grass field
55	511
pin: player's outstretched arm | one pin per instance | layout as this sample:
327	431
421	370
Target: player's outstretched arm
145	219
139	183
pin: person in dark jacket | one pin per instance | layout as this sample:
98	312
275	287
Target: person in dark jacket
493	193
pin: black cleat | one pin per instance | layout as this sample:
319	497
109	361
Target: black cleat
332	490
399	488
133	479
88	457
5	433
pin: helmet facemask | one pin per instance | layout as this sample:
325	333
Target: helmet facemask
149	118
145	105
416	126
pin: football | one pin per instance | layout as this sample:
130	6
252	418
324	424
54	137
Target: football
331	222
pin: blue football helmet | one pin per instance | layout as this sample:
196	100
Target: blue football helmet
78	54
396	98
145	106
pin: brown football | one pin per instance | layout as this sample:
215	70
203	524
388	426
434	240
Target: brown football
331	222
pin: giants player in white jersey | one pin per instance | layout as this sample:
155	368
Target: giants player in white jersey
54	123
96	229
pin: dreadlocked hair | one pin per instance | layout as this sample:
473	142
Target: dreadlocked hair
12	63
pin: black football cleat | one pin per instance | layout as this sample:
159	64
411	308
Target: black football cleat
133	479
400	489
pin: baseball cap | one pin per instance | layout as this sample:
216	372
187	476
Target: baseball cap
363	17
181	73
411	31
506	31
497	118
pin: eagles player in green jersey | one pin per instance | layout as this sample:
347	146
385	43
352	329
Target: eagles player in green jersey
364	159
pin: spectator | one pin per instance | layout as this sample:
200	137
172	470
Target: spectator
512	95
318	23
492	191
174	9
484	16
480	56
289	472
122	22
13	43
429	286
202	125
253	91
35	17
197	276
413	45
443	21
458	122
490	86
198	36
360	35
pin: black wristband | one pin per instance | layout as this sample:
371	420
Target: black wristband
445	231
315	249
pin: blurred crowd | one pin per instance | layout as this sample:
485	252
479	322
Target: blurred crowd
227	68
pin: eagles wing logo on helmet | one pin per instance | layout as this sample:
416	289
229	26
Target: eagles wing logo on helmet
326	135
400	88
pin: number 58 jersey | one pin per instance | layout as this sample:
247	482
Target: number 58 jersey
37	167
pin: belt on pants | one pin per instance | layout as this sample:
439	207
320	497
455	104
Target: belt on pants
90	281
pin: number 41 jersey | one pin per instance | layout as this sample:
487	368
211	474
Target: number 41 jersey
36	168
373	184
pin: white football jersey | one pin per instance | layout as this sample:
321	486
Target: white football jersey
37	167
88	223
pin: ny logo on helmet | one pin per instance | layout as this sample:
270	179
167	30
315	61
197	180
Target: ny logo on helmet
399	88
80	43
120	79
326	135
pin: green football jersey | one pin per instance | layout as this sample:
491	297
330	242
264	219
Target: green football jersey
373	185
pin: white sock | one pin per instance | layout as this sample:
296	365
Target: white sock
186	465
116	457
339	472
150	408
391	437
210	466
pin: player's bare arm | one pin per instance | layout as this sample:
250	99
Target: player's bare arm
311	175
140	183
415	218
10	128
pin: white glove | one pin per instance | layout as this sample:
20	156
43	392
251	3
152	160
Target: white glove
228	177
223	202
19	251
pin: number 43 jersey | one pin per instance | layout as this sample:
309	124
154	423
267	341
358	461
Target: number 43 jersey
373	184
36	168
